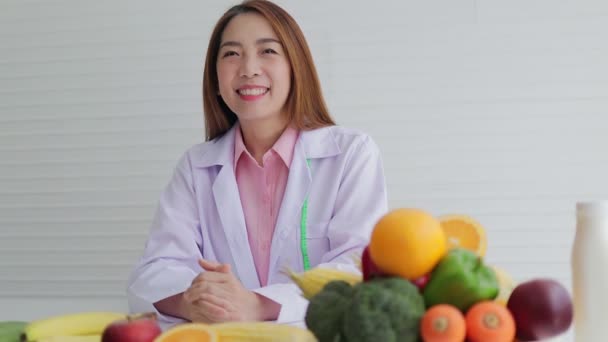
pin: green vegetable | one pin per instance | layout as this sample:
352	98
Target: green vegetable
384	309
381	309
11	331
326	310
461	279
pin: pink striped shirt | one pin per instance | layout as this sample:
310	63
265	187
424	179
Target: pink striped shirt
261	189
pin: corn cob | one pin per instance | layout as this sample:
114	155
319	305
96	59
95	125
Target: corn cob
357	261
87	338
237	332
261	332
312	281
189	332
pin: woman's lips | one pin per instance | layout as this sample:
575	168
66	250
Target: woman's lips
252	93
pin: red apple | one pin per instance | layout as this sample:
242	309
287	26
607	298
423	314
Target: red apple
370	270
136	328
422	281
542	308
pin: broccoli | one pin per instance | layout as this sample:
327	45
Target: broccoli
326	311
384	309
381	309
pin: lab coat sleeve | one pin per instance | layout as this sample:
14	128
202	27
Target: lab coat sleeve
170	258
293	305
361	201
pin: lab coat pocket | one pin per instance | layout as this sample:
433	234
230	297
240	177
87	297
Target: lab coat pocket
317	241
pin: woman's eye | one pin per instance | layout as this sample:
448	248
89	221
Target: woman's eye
269	51
229	53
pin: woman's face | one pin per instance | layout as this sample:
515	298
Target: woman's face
253	72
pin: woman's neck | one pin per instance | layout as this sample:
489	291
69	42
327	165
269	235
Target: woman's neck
260	135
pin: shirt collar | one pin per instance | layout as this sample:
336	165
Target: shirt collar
284	146
239	145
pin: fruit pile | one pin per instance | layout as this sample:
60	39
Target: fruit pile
117	327
463	297
423	278
83	327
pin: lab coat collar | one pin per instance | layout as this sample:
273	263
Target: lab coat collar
317	143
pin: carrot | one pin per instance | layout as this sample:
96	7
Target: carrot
443	323
489	321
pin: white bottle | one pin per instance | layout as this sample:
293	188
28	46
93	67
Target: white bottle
590	272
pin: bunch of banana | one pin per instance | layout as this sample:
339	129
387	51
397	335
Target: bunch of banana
77	327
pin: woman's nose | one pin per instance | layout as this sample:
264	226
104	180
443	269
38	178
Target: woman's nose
250	67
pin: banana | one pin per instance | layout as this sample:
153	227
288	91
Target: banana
87	338
84	323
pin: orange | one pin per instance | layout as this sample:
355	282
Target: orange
407	243
189	332
464	232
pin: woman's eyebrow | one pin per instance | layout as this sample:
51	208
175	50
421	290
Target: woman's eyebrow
267	40
258	42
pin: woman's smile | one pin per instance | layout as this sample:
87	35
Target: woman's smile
252	92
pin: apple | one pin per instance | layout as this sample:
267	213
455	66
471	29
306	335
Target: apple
136	328
370	270
421	282
542	308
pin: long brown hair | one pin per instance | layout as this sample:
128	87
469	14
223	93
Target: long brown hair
305	103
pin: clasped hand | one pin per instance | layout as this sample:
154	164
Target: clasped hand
216	295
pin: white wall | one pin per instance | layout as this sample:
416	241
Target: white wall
496	109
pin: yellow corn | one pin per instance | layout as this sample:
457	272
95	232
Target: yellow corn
358	263
312	281
84	338
261	332
200	332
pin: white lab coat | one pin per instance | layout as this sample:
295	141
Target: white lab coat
200	215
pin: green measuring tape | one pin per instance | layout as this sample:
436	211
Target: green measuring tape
303	244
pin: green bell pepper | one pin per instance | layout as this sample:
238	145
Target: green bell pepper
460	279
11	331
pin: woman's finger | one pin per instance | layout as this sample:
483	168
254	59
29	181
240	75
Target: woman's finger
198	315
197	279
214	266
216	277
218	301
208	265
194	291
212	311
217	290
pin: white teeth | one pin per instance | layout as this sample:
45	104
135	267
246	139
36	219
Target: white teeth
253	91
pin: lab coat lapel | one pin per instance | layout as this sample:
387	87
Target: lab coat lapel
298	186
228	203
314	144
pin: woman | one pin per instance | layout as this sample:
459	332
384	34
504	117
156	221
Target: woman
276	185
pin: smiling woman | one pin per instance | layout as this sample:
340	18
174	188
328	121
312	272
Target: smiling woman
261	35
254	73
277	184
